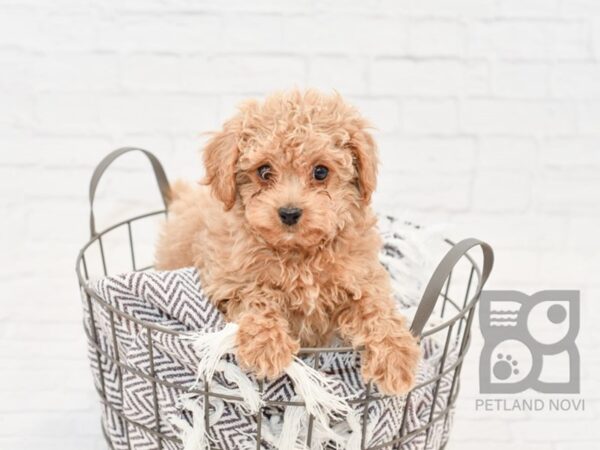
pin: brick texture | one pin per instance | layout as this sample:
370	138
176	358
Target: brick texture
487	114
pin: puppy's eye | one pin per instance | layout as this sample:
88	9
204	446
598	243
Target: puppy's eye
264	172
320	173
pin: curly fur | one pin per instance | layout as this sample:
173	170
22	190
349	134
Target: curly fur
288	286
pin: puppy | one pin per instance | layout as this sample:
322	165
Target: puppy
285	240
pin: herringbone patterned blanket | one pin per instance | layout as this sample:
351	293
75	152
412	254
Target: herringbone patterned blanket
196	351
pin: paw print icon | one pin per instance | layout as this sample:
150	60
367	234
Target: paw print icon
529	342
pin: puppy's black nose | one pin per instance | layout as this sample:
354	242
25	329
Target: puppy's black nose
290	216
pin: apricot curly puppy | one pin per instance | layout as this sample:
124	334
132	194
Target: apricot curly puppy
287	244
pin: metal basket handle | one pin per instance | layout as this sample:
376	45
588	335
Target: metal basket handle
441	274
159	173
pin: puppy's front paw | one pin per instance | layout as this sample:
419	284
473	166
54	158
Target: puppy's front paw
265	351
392	363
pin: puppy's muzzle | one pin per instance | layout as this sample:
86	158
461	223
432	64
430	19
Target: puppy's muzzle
290	216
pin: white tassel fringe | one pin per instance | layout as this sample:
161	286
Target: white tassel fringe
246	388
193	436
316	389
294	420
211	347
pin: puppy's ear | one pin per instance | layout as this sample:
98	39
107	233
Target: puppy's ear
364	151
220	159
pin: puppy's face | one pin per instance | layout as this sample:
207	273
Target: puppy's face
296	195
300	165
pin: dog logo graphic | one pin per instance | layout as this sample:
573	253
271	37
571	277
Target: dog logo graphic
529	342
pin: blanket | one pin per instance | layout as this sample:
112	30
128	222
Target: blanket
193	349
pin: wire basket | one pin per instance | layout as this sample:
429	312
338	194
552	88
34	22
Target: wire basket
453	291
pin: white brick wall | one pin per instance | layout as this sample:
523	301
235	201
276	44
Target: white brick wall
488	116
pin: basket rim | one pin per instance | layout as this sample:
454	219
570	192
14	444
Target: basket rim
81	270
